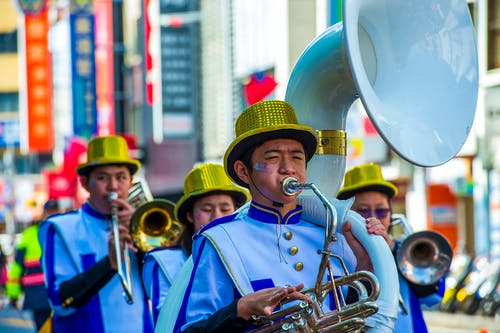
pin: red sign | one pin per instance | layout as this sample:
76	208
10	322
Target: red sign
104	66
59	185
38	83
149	12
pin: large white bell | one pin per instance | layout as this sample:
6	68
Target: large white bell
414	66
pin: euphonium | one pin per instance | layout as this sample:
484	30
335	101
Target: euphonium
305	317
153	223
423	257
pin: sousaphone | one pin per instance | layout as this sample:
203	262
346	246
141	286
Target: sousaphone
413	64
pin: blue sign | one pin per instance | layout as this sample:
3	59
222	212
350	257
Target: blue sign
83	74
9	133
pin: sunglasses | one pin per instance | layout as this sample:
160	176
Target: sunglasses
380	213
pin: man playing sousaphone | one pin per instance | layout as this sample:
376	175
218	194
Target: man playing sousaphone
79	254
247	264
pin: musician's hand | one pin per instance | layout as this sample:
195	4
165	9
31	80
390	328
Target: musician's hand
124	211
364	262
376	227
264	301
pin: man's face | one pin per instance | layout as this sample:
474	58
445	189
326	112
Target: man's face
103	180
209	208
373	204
271	163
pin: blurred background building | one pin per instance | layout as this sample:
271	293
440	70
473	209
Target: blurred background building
172	76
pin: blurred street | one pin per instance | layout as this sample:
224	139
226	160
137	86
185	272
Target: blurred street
442	322
14	321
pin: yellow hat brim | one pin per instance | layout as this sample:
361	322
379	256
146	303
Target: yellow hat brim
304	134
379	186
185	203
132	165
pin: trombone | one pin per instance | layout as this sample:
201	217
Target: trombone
125	276
152	225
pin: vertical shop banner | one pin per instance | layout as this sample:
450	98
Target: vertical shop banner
83	68
150	30
38	124
104	66
442	210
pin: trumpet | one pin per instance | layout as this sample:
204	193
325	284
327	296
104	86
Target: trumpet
123	273
305	317
423	257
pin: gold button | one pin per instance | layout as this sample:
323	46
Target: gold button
299	266
294	250
288	235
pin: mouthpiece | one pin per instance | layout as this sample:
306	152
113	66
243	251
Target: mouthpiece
290	186
112	196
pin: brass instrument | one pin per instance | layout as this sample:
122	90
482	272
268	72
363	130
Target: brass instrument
305	317
153	224
123	273
423	257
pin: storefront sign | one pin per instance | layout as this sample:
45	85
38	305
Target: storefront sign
83	69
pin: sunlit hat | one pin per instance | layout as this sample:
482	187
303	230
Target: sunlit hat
265	121
106	150
366	177
207	179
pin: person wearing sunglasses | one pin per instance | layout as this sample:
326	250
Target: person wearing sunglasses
372	200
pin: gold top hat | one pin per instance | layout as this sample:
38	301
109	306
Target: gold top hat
264	121
366	177
106	150
207	179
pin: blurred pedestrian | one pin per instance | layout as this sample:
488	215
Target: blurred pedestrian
3	268
79	255
25	276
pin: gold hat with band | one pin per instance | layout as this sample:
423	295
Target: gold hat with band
106	150
263	121
366	177
207	179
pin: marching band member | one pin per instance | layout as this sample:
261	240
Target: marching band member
245	264
208	194
79	256
373	197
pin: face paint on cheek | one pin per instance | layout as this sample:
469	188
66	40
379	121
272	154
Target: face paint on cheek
92	183
260	167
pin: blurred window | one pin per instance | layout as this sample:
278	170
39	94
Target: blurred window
9	101
493	34
8	42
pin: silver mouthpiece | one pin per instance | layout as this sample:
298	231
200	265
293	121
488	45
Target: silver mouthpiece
112	196
290	186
